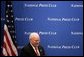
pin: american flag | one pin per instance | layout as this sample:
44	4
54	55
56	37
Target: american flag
9	43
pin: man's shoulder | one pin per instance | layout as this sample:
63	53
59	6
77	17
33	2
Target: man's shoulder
26	47
41	47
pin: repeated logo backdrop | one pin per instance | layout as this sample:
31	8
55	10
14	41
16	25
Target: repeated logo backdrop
59	24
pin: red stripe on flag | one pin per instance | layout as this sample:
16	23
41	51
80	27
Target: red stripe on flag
4	46
9	43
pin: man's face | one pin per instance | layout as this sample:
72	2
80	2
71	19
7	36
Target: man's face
35	41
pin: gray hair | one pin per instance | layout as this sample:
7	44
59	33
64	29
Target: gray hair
33	34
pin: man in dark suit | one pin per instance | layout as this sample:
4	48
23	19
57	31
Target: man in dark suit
33	48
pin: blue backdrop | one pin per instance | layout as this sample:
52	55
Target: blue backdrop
59	23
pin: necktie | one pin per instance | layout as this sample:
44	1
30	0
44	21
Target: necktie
37	51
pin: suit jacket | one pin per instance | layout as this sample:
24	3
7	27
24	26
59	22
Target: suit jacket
29	51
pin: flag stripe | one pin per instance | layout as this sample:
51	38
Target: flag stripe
7	47
8	42
5	52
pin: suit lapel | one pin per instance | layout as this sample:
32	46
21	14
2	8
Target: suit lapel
32	50
40	50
